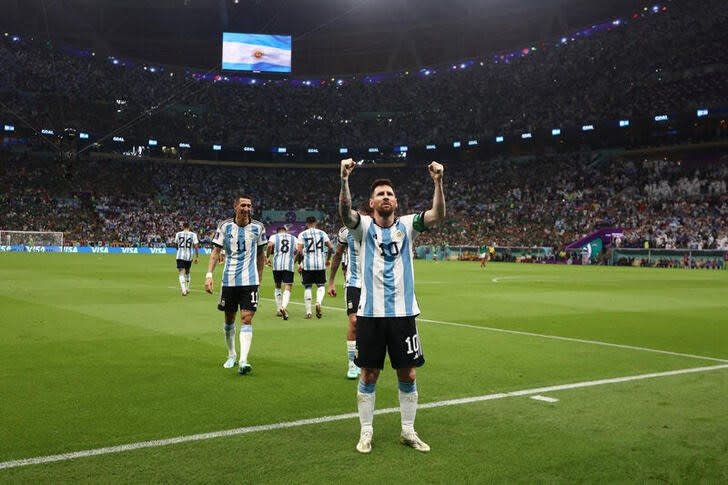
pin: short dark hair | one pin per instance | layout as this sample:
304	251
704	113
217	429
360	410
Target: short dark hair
243	197
186	224
365	208
310	220
281	228
379	182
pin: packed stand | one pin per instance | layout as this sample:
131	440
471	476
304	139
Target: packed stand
672	61
538	202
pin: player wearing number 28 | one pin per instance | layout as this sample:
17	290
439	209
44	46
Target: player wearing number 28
244	241
185	240
387	305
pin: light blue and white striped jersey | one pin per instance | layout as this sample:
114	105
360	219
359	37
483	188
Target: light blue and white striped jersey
353	278
186	241
241	245
314	246
284	247
387	270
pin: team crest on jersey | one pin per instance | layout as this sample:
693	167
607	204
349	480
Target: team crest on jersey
398	236
249	236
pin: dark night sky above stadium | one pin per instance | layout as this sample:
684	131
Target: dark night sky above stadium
330	36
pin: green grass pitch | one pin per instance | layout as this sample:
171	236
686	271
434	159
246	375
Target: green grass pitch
102	350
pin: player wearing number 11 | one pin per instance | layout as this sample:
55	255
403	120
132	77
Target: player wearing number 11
244	241
387	305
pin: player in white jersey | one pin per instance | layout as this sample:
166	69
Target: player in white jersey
347	248
186	240
312	251
243	240
283	247
387	306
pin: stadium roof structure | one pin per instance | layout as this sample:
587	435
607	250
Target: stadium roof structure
329	36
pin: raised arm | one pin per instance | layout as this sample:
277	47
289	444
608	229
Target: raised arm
437	214
348	216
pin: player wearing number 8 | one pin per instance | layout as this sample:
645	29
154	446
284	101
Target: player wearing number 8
314	250
283	248
243	240
387	305
185	240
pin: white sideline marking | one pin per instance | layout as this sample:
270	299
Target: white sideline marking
571	339
328	419
539	335
542	335
544	398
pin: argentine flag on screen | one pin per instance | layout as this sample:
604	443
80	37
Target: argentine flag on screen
256	52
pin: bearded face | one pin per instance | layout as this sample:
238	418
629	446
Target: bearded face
383	201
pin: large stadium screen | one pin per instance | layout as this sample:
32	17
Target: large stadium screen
256	52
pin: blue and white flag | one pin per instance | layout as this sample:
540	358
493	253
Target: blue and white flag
256	52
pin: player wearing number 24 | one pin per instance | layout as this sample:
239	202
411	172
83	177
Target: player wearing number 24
244	241
387	305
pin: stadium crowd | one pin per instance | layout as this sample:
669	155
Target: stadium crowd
537	202
671	60
666	62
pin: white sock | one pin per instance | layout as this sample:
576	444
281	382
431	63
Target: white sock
187	282
408	405
286	298
230	339
278	298
307	299
246	338
351	350
320	292
365	398
182	282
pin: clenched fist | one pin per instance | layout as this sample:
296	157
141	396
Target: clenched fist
347	166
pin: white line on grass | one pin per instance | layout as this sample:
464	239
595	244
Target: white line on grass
571	339
539	335
547	336
545	399
339	417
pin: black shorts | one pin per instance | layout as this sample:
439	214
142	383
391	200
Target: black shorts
285	277
397	336
182	264
232	297
317	277
351	295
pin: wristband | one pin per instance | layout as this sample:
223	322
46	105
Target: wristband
208	275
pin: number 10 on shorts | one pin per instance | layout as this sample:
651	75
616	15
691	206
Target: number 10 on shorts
413	345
